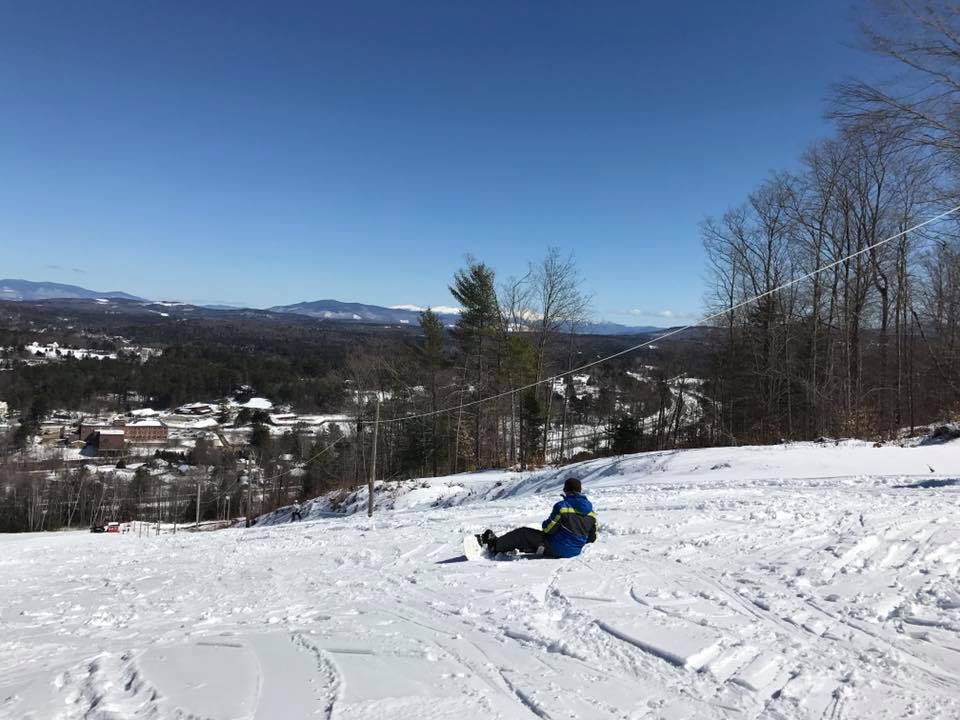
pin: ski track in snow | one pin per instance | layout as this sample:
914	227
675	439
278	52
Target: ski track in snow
782	582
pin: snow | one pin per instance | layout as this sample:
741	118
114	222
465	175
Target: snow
197	406
581	386
144	412
290	419
439	309
53	351
795	581
258	403
180	423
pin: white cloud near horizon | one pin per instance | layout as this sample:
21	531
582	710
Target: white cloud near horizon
442	309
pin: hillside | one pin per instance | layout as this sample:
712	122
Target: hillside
27	290
410	315
797	581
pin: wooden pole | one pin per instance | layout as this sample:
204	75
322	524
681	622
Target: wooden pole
373	461
248	501
176	504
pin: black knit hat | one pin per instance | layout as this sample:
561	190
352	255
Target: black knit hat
572	485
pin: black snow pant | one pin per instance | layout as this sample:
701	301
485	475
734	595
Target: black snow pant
525	540
295	516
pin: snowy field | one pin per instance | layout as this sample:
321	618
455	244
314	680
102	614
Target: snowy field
782	582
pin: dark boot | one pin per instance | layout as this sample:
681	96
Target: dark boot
487	539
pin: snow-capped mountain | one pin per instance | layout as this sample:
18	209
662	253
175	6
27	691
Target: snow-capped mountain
27	290
410	315
358	312
336	310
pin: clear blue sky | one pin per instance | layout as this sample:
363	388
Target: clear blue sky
267	153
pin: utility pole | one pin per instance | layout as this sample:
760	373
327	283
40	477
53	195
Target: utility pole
246	484
176	504
373	461
255	473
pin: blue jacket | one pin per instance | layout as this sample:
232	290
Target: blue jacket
571	525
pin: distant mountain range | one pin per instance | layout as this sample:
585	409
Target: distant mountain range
410	315
358	312
26	290
333	310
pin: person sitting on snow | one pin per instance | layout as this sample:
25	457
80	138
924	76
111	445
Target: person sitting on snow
571	525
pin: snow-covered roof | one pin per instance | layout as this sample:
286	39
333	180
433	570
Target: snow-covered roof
258	403
143	412
203	423
95	421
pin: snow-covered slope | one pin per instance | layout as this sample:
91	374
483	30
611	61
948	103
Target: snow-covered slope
800	581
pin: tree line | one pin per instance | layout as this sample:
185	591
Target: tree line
869	346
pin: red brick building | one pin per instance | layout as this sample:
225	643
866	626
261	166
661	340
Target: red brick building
146	431
110	441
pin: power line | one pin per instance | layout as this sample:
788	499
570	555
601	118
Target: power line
676	331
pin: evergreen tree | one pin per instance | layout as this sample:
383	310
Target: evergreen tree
533	416
479	318
518	368
625	437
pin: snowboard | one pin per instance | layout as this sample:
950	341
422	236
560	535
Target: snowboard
472	549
